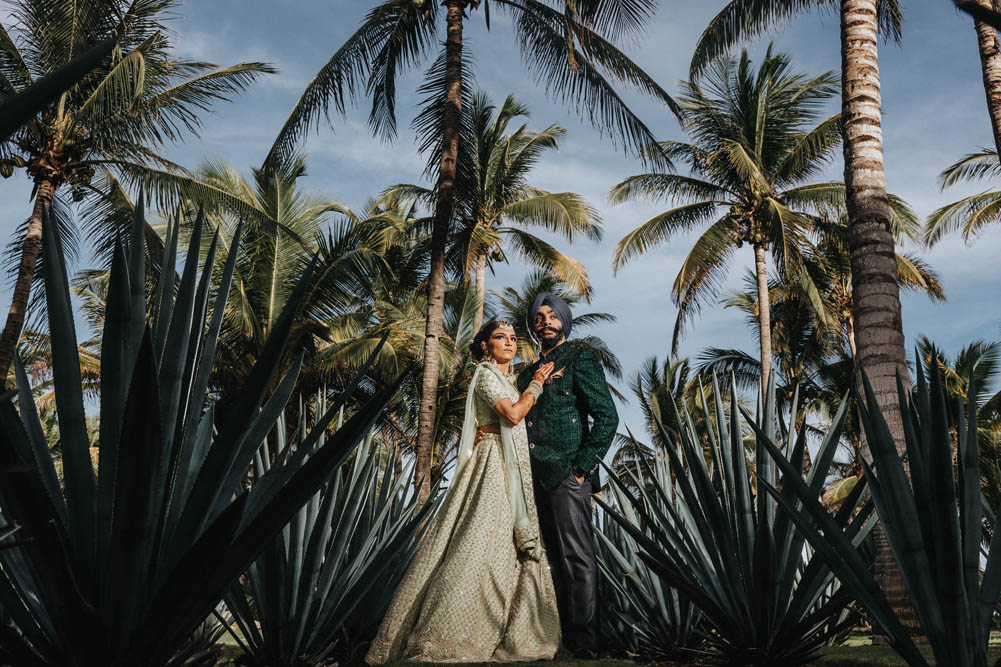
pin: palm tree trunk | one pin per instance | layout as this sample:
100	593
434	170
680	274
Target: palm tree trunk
481	290
879	336
764	313
990	62
25	276
439	238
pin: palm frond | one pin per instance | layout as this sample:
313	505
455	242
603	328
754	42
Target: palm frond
701	275
574	71
565	213
812	152
657	187
537	252
392	32
968	215
915	273
661	227
971	167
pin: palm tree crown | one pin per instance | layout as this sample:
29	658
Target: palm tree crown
115	119
753	153
495	202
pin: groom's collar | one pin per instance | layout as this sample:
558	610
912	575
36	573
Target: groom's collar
555	352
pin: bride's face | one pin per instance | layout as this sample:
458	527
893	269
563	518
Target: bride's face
502	345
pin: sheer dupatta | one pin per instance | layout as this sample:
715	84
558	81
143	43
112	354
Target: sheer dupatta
526	535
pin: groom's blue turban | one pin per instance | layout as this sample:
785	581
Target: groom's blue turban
560	308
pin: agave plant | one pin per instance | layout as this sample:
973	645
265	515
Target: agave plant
934	527
202	648
765	601
331	571
640	615
119	568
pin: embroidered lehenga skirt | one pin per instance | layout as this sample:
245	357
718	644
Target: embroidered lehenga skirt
467	596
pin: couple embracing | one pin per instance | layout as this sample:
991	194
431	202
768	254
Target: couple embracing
507	566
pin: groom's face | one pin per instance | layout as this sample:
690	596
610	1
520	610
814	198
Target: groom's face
548	328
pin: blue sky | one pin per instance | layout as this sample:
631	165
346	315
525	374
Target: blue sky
934	111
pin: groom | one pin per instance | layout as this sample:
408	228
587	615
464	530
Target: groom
569	431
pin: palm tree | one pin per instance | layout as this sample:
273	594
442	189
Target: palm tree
117	117
970	214
753	154
497	202
813	350
875	292
990	66
270	260
570	51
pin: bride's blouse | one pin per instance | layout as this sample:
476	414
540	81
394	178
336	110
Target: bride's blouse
490	389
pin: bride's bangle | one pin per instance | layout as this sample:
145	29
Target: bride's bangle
534	388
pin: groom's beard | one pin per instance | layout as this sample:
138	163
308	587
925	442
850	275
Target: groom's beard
549	338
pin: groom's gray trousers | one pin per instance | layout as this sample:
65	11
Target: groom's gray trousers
565	522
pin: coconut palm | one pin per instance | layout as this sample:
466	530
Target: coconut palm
567	45
875	293
123	112
271	259
753	154
990	60
498	203
972	214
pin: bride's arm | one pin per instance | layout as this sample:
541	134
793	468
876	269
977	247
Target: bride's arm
515	411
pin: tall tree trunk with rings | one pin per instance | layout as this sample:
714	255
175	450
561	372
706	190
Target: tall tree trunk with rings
764	312
990	62
25	276
439	239
879	337
481	289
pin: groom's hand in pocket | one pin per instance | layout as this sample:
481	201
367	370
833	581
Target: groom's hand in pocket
482	431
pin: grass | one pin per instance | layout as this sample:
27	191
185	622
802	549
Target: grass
857	650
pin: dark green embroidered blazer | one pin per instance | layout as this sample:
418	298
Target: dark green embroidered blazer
573	423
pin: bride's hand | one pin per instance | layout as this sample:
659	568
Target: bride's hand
543	372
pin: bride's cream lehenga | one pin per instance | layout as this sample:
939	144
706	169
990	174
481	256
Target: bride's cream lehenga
479	588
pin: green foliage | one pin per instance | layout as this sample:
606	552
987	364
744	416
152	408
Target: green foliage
571	51
323	585
703	531
641	613
113	123
19	108
496	207
120	567
970	214
757	140
933	515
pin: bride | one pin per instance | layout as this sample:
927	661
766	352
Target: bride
479	588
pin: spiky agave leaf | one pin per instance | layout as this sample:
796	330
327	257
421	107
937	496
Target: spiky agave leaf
934	524
700	528
339	559
121	569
